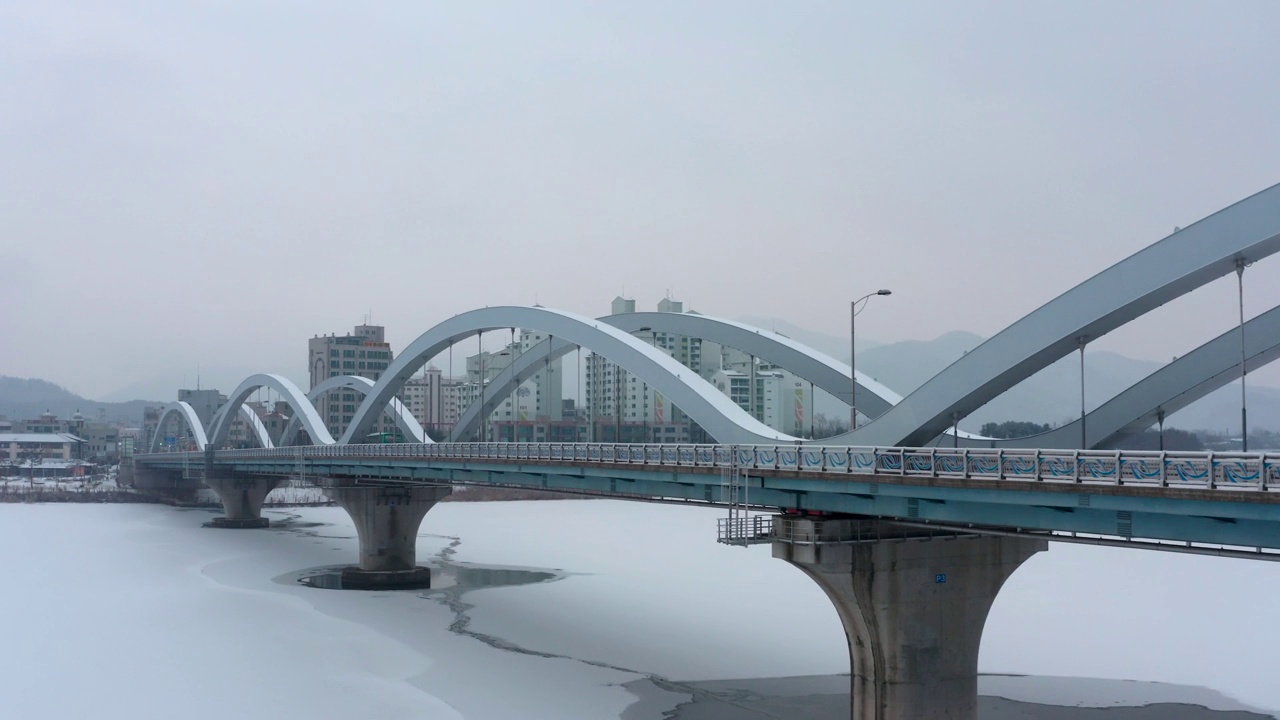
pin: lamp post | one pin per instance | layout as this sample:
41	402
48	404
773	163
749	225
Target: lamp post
644	388
1084	441
1244	417
853	353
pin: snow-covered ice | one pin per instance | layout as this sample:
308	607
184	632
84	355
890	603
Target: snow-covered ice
138	611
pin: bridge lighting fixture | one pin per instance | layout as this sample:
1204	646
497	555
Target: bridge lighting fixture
853	352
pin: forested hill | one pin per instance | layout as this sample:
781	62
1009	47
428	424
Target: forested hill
25	398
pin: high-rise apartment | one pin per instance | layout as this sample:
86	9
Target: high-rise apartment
622	406
532	408
432	398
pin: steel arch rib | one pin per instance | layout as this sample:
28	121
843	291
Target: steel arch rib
1248	230
525	366
805	362
188	414
403	418
705	405
256	427
1171	388
292	395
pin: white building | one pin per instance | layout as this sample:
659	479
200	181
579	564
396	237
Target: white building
432	398
17	447
782	401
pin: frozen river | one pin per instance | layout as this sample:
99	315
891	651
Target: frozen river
592	609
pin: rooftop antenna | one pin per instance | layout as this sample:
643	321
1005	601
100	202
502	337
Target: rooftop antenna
197	375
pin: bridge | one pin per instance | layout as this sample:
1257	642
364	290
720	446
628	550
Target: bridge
909	525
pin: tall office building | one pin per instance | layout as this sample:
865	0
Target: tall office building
204	402
366	353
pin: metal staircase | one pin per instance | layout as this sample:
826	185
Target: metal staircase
740	527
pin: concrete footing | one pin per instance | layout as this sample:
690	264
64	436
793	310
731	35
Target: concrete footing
242	497
239	523
913	609
411	579
387	521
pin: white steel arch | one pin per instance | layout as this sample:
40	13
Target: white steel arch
805	362
705	405
525	366
1171	388
1246	231
182	410
255	426
403	418
296	399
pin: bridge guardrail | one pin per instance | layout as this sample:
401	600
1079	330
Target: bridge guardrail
1234	471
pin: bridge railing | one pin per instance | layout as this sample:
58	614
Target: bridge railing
1243	471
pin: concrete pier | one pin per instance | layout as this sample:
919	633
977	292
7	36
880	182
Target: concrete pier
913	608
387	521
242	497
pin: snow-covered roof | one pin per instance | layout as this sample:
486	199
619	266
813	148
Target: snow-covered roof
52	438
51	464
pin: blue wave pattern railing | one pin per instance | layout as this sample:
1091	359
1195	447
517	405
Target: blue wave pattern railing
1252	471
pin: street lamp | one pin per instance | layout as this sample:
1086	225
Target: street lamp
853	353
648	437
1244	417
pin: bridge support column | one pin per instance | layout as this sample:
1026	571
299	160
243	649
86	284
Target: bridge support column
169	484
387	521
242	497
913	608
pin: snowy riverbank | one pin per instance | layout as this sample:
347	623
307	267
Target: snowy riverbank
138	611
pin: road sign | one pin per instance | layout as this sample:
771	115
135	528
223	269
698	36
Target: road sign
940	578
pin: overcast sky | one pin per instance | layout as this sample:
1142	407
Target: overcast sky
216	185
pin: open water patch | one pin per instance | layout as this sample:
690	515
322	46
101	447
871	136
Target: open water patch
455	578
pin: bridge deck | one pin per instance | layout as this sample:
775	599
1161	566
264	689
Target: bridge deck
1189	497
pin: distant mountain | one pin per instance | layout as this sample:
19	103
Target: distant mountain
833	345
1053	395
905	366
24	399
